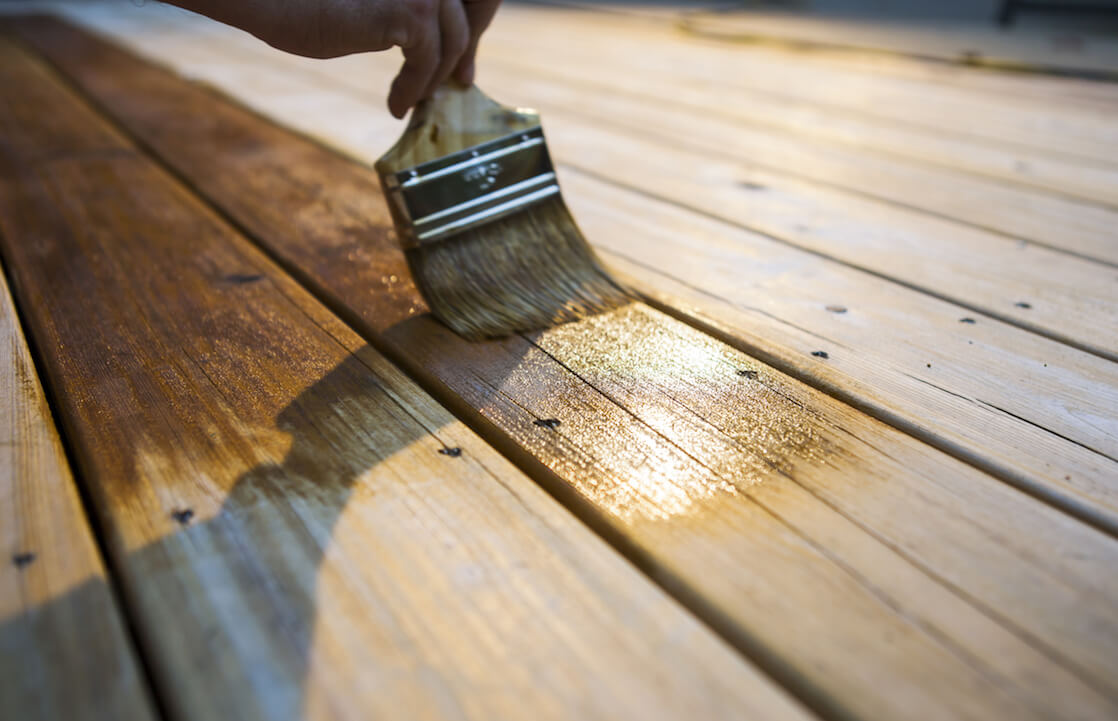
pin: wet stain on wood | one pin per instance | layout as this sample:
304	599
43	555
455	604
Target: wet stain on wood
670	383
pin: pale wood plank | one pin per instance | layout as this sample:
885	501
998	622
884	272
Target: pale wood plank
1084	133
303	532
958	71
1055	90
976	43
874	577
63	650
815	142
682	101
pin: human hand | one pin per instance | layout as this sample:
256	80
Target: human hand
438	37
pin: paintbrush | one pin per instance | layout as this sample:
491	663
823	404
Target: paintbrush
477	209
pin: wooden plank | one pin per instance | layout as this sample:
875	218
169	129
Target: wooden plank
1086	134
63	650
983	44
857	153
680	101
954	593
1056	90
1046	291
1050	88
303	533
927	366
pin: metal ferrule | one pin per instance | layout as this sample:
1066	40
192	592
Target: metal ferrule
437	199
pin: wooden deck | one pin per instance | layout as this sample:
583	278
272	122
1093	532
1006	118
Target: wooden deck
854	456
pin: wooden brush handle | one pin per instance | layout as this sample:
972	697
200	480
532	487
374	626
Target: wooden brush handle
456	117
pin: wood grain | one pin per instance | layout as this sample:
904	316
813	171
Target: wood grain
1032	410
1057	441
63	650
973	42
1012	191
1034	123
882	575
720	169
1064	89
1064	297
302	532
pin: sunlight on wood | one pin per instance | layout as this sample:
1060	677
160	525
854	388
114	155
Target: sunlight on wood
633	348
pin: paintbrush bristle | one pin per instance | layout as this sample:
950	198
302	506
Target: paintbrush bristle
524	272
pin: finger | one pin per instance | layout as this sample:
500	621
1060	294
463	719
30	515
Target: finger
479	13
420	45
454	36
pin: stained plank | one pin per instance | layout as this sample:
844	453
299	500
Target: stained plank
953	592
302	533
63	650
1058	441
